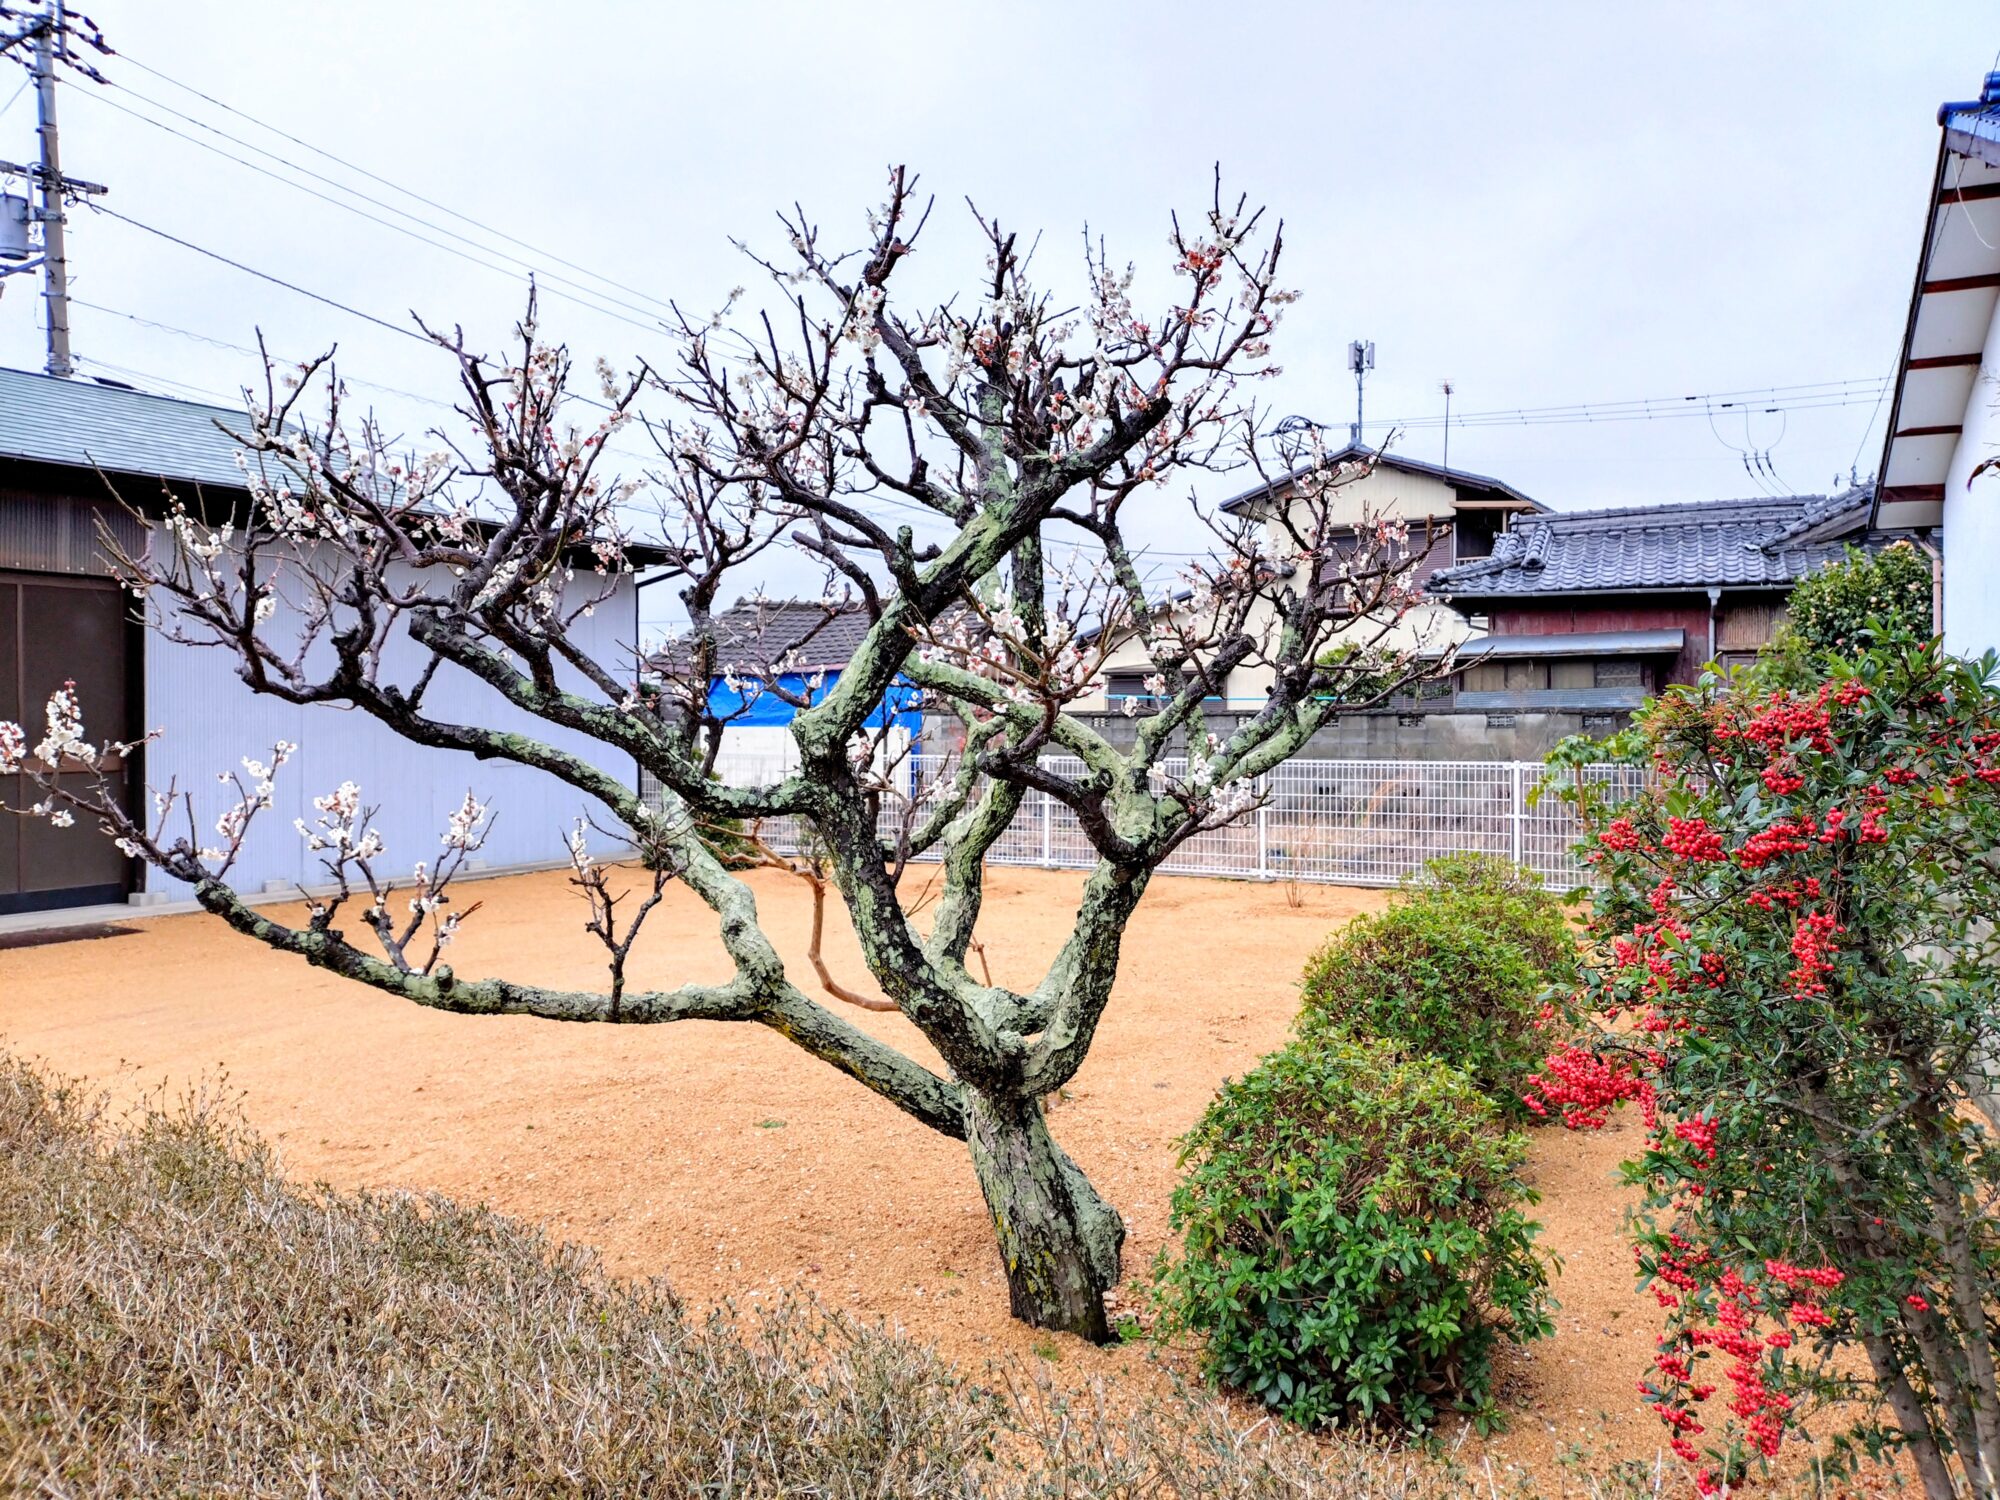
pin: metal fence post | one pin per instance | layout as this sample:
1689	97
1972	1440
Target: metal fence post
1520	815
1048	831
1263	837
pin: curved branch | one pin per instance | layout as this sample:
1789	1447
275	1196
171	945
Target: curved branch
749	996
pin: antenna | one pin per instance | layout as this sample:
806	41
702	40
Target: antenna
51	46
1445	386
1360	359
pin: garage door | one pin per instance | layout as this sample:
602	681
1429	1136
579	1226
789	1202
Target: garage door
54	630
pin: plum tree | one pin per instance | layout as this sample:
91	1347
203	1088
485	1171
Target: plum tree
1022	428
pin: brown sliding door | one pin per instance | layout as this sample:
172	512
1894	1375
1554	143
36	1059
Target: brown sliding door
55	629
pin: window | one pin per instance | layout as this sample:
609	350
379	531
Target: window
1121	687
1472	533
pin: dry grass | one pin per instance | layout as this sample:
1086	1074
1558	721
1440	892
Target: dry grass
176	1319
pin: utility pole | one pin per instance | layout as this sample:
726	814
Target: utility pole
55	269
51	186
1360	359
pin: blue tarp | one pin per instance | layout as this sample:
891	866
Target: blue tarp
900	706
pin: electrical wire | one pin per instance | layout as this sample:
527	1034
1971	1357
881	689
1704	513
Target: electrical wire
541	272
1801	397
376	177
652	326
237	265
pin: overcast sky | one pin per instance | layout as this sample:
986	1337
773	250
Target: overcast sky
1547	203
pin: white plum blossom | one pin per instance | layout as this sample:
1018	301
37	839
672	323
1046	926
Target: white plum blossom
462	829
65	730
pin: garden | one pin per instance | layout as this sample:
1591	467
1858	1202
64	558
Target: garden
1047	1183
1333	1120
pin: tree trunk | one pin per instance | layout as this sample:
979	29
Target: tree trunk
1059	1241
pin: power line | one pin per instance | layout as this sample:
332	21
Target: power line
332	182
1853	464
652	326
237	265
244	349
410	193
1804	396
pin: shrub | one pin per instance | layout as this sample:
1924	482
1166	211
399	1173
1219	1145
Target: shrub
1513	903
1797	982
1353	1240
1830	609
1438	975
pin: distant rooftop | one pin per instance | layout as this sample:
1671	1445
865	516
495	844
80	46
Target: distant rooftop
81	424
1462	478
753	634
1715	543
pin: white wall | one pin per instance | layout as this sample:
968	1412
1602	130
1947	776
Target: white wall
1971	541
211	721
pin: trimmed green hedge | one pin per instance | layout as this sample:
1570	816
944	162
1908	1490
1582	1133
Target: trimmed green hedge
1515	904
1436	975
1354	1245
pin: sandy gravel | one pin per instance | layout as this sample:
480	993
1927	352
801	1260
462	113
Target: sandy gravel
725	1158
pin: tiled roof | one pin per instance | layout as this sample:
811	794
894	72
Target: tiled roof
89	426
1730	543
753	634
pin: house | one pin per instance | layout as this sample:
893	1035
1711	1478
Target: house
66	448
1453	517
1582	615
800	647
1944	411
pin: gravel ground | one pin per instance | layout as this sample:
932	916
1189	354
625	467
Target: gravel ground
725	1158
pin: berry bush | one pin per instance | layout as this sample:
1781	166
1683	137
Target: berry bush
1792	974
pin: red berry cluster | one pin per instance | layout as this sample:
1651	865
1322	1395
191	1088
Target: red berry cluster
1585	1088
1692	839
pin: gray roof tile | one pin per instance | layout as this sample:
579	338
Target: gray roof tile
81	424
1734	543
89	426
753	634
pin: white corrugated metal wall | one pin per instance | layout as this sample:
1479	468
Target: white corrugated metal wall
211	721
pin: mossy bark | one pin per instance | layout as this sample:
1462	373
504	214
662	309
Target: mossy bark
1060	1242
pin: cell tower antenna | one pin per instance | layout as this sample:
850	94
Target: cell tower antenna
1360	359
1445	386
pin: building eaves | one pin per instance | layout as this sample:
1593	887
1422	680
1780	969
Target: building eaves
1462	478
1664	642
111	432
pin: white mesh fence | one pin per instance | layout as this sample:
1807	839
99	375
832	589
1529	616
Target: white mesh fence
1339	822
